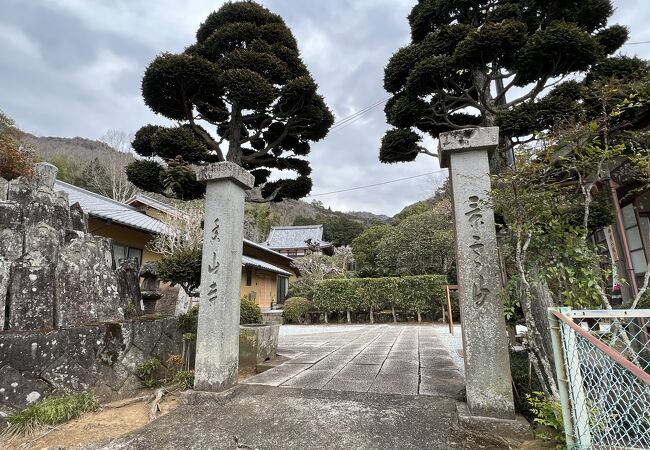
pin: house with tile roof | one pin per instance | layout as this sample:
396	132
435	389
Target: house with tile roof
131	226
296	241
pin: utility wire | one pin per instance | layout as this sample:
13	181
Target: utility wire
360	112
354	117
637	43
378	184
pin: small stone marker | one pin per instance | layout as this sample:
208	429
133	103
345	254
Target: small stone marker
217	340
487	363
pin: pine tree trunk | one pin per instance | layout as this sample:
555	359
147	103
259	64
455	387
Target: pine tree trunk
348	315
419	316
325	314
394	315
234	147
372	317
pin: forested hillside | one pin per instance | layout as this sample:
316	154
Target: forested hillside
100	166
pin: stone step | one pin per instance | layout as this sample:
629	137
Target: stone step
272	316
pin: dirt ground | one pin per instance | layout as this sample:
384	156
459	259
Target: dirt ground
110	422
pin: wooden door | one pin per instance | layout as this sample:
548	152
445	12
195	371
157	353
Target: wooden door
264	299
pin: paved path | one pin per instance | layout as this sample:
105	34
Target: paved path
346	387
386	359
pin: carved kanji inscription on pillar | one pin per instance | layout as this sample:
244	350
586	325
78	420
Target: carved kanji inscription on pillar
480	291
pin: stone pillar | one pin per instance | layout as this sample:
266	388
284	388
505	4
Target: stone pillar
217	341
45	174
485	341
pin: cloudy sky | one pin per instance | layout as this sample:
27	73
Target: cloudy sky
73	68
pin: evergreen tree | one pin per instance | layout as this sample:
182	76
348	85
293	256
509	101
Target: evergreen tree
242	83
364	248
340	230
496	63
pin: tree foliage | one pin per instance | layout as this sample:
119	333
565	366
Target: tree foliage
337	229
556	198
364	248
419	241
503	62
419	245
16	159
242	83
183	268
341	230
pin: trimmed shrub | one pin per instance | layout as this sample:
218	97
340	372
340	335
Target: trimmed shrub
250	312
182	268
422	293
294	309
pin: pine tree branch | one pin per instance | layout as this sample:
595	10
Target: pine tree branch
466	96
271	146
532	94
427	152
214	145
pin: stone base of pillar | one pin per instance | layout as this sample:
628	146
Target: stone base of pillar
517	428
196	398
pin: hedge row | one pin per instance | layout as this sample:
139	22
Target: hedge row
422	293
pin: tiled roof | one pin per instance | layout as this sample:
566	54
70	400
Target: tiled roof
248	261
295	237
157	204
106	209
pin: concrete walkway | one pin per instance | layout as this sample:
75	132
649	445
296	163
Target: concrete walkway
386	359
347	387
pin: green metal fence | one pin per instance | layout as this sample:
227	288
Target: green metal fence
602	360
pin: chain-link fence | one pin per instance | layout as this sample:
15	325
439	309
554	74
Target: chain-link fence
602	360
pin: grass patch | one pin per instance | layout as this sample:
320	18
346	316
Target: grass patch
53	411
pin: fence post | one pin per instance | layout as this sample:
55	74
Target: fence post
561	373
578	399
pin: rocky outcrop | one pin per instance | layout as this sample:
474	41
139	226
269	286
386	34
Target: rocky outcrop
5	270
101	358
62	306
59	275
86	288
31	293
128	287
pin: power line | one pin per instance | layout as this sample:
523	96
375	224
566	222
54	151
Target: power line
378	184
637	43
360	112
356	116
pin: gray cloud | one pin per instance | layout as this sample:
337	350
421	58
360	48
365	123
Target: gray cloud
73	68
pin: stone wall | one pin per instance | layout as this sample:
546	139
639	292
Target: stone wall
101	358
53	273
62	306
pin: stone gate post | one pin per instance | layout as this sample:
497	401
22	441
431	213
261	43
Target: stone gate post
487	363
217	340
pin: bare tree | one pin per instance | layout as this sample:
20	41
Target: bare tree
108	173
184	230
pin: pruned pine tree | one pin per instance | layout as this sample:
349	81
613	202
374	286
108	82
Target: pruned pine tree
508	63
240	93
